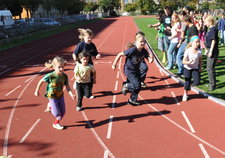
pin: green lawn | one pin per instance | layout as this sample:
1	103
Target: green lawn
220	69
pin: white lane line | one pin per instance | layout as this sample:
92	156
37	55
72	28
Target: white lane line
174	96
161	72
116	86
167	83
103	62
114	101
110	127
13	90
29	79
106	38
30	130
188	122
183	129
9	123
96	135
106	154
120	63
204	151
118	74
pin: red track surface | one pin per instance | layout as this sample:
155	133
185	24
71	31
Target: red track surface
107	127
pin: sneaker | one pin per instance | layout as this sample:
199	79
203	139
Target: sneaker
185	97
143	85
78	108
58	126
133	102
92	97
167	68
48	109
124	89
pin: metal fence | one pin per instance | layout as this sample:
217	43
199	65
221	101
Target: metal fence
22	29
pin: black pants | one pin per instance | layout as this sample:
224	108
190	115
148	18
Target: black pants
211	64
83	89
189	74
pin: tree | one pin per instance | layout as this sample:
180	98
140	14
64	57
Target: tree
13	5
47	5
131	7
91	6
146	6
205	6
109	5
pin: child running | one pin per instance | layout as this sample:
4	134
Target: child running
192	65
82	74
86	44
55	82
134	56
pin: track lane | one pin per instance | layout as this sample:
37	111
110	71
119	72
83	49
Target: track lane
147	132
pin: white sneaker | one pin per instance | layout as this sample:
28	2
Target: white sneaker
78	108
92	97
185	97
58	126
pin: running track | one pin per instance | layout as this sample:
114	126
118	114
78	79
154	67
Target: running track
162	127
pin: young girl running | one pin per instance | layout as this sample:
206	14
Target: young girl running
82	74
86	44
192	65
134	56
55	82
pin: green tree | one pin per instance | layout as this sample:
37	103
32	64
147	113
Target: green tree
205	6
146	6
91	6
131	7
47	5
109	5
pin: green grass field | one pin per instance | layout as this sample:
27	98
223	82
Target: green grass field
220	68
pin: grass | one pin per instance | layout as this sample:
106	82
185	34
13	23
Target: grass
44	33
220	69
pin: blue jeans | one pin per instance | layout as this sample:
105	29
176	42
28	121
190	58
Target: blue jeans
171	54
180	55
166	42
222	36
134	84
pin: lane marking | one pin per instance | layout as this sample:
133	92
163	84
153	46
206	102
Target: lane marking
30	130
183	129
9	123
116	86
204	151
188	122
110	127
161	72
96	135
114	101
103	62
106	38
174	96
118	74
13	90
29	79
106	154
167	83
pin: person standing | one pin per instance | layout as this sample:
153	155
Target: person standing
221	28
212	51
55	83
192	65
134	56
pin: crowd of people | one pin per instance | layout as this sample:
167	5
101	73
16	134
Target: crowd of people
183	37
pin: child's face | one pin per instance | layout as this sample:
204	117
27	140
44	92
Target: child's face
140	42
84	60
196	43
88	38
59	68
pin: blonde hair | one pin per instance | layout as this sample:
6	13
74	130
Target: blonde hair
177	19
56	60
84	32
139	34
210	19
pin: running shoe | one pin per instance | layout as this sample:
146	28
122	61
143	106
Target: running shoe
58	126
